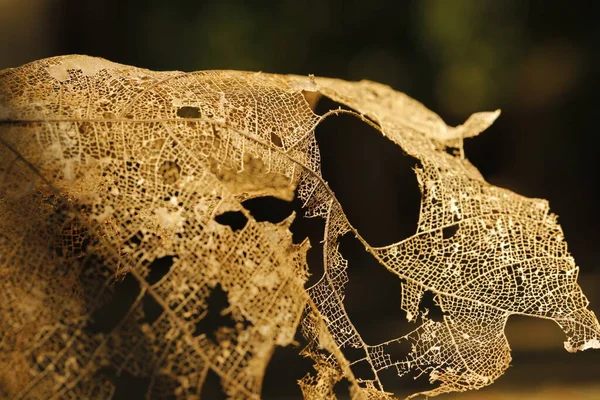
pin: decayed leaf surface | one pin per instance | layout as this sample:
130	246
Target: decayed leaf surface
114	176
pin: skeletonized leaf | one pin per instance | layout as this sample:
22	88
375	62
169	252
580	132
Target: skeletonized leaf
117	191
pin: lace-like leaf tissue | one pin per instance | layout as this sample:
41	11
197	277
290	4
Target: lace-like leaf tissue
118	186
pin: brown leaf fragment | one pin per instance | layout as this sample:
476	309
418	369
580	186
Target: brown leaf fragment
114	186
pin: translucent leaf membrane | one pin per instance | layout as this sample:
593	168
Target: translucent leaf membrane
121	220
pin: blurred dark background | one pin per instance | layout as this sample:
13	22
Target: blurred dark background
538	61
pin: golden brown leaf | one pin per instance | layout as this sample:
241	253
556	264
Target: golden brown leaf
112	174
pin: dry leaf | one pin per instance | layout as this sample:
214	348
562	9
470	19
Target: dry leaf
114	180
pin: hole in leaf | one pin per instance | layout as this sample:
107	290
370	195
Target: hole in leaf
284	370
492	152
164	386
127	386
152	310
526	334
353	353
372	295
188	112
312	98
212	389
107	317
428	302
159	268
449	231
311	228
371	176
538	356
398	350
214	320
452	151
268	208
276	140
403	386
363	370
236	220
342	389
